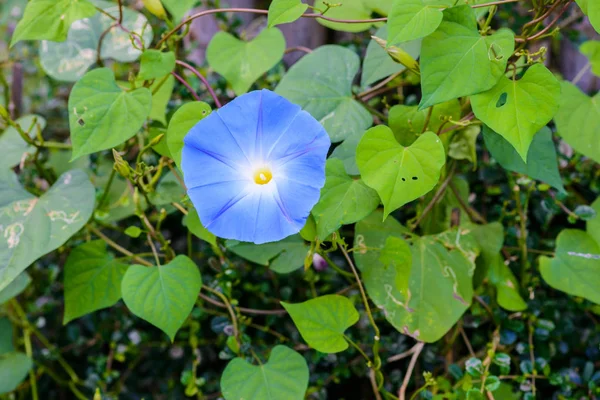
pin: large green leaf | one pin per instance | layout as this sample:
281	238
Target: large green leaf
541	163
193	223
12	144
399	174
6	336
156	64
162	90
92	280
180	124
50	19
69	60
13	369
591	8
242	63
408	122
591	49
457	61
285	11
323	320
283	257
575	268
578	119
35	226
343	200
346	152
346	9
101	115
518	109
377	63
178	8
507	286
283	376
412	19
163	295
321	83
15	288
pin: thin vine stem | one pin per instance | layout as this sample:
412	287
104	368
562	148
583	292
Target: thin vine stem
411	366
203	79
234	321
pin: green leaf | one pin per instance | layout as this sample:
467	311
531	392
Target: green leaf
92	280
346	152
50	19
12	144
474	367
168	190
242	63
97	106
347	9
285	11
6	336
161	147
283	376
463	145
156	64
592	10
396	254
412	19
13	369
408	122
133	231
377	64
541	163
441	216
178	8
507	286
343	200
577	120
591	49
457	61
593	225
15	288
192	222
180	124
69	60
162	91
323	320
399	174
576	265
283	257
35	226
163	295
518	109
321	83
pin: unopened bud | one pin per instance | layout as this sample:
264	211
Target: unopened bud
121	166
4	113
398	55
156	8
157	140
319	263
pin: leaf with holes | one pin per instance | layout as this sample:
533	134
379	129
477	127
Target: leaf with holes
12	144
69	60
13	369
163	295
542	163
242	63
412	19
343	200
321	83
577	120
92	280
518	109
97	105
285	11
323	320
50	19
575	268
457	61
283	376
180	124
283	257
34	226
399	174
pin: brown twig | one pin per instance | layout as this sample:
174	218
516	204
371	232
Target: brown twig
243	310
413	361
298	48
187	85
204	81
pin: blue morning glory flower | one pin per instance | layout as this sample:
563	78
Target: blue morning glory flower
254	168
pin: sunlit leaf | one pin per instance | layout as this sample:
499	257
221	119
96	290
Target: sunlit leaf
156	64
346	9
282	257
192	222
412	19
180	124
285	11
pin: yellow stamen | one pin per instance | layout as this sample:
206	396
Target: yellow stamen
262	176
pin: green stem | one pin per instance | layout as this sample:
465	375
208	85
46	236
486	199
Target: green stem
234	321
357	347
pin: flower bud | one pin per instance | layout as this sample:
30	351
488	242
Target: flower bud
156	8
319	263
398	55
121	166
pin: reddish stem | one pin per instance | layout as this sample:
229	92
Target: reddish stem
203	79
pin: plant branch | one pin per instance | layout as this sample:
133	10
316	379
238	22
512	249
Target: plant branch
204	81
413	361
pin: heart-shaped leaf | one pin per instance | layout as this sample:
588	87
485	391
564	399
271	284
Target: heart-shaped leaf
457	61
283	257
348	9
399	174
242	63
377	63
321	83
180	124
50	19
412	19
343	200
13	369
13	145
578	119
163	295
156	64
323	320
518	109
92	280
575	268
32	226
542	163
284	376
101	115
285	11
69	60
